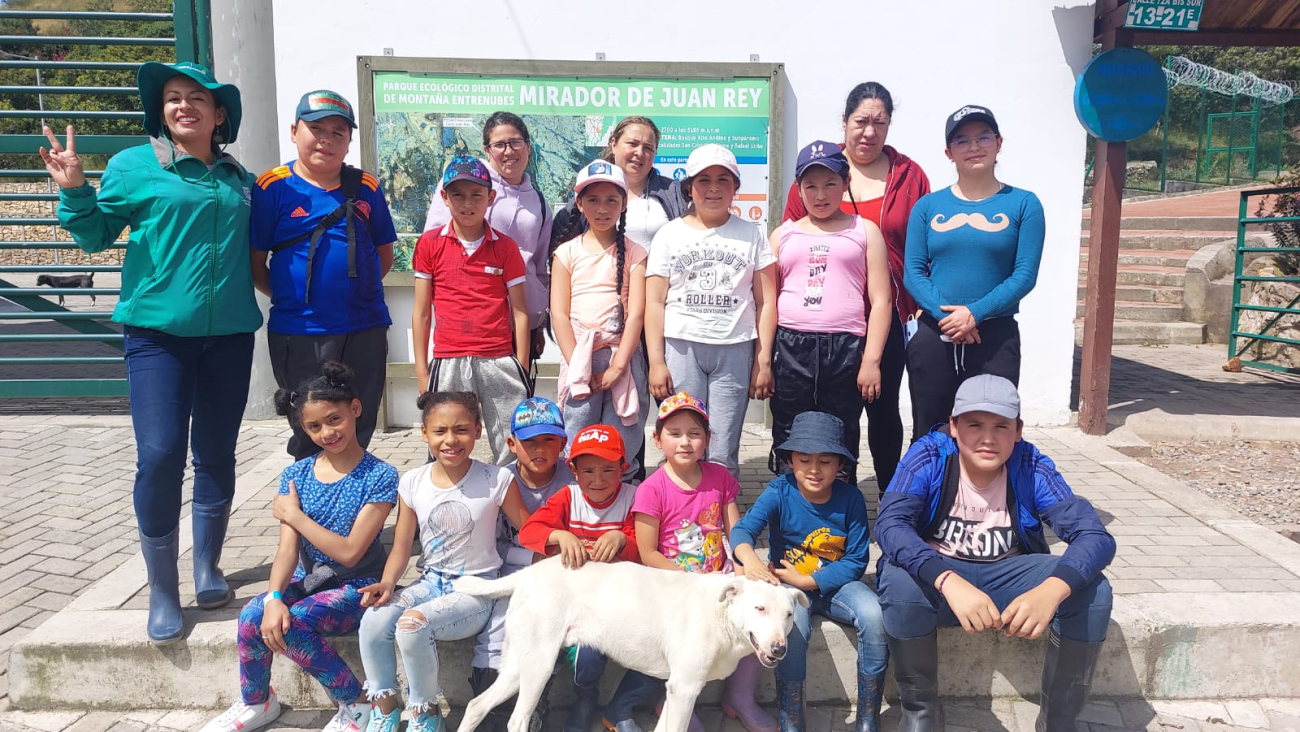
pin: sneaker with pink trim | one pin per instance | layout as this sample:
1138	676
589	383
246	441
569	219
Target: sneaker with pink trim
241	717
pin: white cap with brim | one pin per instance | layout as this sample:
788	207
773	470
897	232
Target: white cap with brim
707	156
600	171
987	393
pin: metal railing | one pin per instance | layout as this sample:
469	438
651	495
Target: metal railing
1240	342
82	329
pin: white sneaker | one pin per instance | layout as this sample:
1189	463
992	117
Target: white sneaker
241	717
350	718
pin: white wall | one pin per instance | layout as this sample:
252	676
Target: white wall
1018	57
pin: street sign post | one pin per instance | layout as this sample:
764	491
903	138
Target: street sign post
1179	15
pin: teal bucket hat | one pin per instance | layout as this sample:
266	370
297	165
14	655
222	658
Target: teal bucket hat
153	75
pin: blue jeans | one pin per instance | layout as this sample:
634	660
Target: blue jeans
912	610
853	604
184	390
442	615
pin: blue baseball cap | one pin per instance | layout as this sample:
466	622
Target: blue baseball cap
826	154
465	167
537	416
324	103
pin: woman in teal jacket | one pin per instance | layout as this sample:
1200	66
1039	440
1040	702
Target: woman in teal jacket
187	311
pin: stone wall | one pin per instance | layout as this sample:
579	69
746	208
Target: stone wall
1271	294
41	210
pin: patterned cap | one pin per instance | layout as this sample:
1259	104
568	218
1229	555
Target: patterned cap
324	103
679	401
537	416
465	167
600	440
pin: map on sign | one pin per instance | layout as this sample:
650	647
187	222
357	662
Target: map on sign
1183	15
423	119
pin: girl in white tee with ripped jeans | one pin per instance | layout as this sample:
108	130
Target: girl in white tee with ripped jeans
711	303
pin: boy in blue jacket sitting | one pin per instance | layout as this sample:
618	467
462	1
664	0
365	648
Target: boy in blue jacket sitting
961	528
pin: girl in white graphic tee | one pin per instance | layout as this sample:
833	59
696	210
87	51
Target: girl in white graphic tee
454	504
711	303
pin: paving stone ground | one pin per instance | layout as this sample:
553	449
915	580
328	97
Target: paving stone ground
1277	715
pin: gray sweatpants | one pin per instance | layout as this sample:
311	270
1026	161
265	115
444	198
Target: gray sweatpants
297	358
598	408
717	375
500	384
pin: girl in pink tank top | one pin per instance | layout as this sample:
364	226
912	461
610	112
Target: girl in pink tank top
833	304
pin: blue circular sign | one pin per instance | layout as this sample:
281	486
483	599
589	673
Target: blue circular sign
1120	94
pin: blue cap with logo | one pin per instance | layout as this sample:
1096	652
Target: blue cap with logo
466	167
324	103
968	113
537	416
826	154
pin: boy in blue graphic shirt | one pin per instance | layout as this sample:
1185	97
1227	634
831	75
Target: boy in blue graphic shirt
819	544
327	232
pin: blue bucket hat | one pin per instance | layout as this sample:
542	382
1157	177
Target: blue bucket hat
814	433
153	75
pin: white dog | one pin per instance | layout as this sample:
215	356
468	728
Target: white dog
683	627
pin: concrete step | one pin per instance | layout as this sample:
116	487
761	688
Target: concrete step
1147	257
1142	293
1137	274
1170	239
1179	223
1134	333
1160	645
1143	312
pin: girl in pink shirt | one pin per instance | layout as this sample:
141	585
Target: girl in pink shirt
683	514
597	307
833	305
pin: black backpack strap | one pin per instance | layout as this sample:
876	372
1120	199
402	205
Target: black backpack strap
350	186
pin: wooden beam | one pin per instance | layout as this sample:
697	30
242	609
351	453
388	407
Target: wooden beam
1108	168
1216	38
1109	17
1109	161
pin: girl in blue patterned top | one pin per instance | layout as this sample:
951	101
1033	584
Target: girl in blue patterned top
331	508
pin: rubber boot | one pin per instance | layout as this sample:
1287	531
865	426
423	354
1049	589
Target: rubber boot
738	697
210	588
871	687
586	704
634	689
789	694
1067	677
160	555
916	669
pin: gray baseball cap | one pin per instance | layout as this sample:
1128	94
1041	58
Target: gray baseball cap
987	393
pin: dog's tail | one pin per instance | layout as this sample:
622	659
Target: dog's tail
479	587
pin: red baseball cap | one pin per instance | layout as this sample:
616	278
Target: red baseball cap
600	440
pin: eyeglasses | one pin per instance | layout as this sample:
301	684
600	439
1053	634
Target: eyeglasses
515	144
962	144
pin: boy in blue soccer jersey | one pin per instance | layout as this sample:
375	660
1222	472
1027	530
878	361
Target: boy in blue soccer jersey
328	235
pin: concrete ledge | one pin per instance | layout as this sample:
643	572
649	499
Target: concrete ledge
1161	646
1156	425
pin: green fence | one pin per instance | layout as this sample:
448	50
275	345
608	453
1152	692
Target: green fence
1262	341
47	349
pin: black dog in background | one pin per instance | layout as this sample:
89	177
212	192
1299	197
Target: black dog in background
85	281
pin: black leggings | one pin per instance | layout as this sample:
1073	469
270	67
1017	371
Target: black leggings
815	372
936	367
884	423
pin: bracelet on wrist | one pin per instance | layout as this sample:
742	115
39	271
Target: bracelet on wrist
275	595
943	579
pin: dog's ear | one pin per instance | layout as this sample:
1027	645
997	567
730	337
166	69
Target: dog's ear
732	589
799	596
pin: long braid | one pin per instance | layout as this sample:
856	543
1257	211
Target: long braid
620	249
575	224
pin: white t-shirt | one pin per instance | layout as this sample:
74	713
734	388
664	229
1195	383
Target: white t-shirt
458	525
472	246
645	217
710	279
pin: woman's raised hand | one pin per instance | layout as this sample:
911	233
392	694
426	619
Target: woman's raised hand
62	163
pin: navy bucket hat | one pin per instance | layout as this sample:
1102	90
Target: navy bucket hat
813	433
153	75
